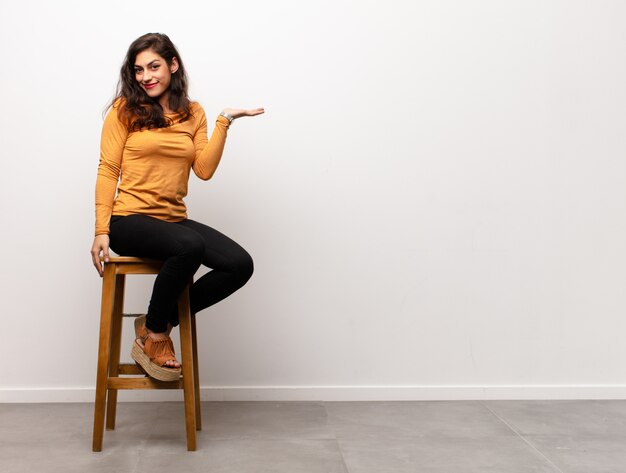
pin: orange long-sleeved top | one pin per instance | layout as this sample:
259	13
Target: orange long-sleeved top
153	166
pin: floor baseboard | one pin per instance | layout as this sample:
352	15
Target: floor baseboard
328	393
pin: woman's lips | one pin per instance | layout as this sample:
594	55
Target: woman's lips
149	86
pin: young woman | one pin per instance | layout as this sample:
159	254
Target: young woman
152	136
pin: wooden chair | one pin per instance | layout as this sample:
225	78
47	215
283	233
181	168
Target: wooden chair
108	379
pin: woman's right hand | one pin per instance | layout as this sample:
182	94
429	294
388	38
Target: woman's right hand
100	245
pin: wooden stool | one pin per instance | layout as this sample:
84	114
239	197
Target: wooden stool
108	380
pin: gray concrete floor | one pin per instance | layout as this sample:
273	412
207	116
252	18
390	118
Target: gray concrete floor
324	437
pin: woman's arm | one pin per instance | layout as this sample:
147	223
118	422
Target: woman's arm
209	151
113	139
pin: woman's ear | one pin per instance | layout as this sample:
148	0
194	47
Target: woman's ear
174	66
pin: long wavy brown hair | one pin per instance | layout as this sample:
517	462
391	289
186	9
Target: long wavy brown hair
137	109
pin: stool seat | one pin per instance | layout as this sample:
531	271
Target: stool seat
130	259
108	379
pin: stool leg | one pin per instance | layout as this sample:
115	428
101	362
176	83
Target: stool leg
188	368
196	376
106	310
116	342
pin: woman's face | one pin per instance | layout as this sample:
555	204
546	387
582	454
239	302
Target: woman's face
153	73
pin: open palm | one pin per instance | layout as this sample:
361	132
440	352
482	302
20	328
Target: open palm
239	112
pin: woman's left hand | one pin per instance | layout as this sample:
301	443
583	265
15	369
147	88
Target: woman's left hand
238	112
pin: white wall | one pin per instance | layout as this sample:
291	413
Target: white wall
434	198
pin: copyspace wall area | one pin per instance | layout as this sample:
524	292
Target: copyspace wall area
435	198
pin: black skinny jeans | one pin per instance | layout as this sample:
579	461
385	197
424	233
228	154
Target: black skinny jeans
183	246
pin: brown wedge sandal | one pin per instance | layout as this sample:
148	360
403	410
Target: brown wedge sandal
151	354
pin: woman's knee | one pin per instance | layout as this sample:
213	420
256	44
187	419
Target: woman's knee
244	266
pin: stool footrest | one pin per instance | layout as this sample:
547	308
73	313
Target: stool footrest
143	383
